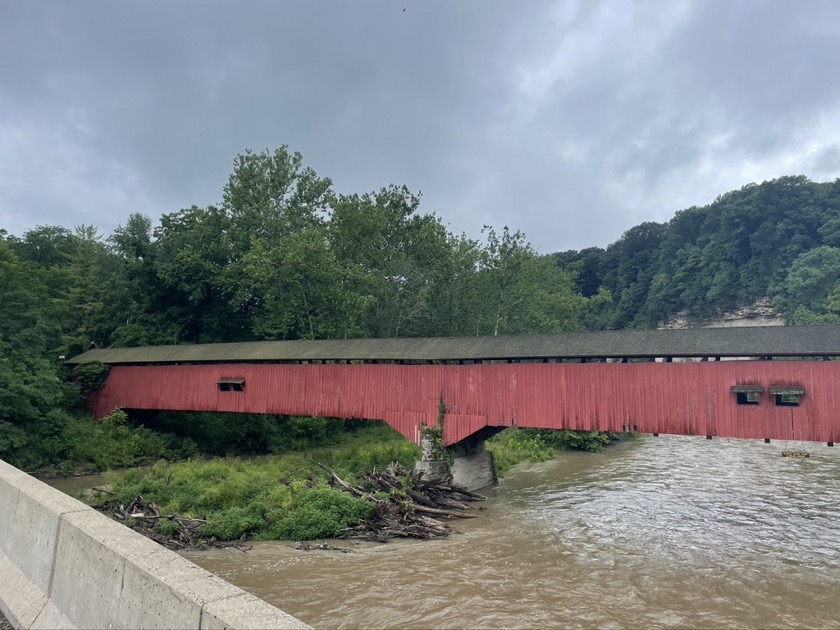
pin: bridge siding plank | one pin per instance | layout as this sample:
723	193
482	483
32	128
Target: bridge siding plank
667	398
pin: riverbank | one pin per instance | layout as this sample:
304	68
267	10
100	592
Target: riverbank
295	496
286	497
399	504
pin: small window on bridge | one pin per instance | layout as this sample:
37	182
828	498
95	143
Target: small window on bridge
748	398
232	385
787	395
747	394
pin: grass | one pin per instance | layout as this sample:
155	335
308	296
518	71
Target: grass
273	497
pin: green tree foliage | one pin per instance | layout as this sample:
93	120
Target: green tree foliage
52	304
192	251
393	256
31	389
147	314
524	292
742	247
306	293
44	246
85	301
455	303
586	266
269	199
91	376
629	270
810	290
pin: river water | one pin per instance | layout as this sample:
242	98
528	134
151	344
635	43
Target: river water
663	532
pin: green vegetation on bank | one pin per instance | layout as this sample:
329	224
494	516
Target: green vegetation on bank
271	497
514	445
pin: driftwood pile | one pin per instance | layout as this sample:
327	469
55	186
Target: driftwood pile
408	506
144	516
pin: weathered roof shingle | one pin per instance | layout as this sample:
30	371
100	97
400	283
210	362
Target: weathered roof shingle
713	342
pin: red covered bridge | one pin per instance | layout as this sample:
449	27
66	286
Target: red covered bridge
761	383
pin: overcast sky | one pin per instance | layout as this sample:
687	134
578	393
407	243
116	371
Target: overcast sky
572	121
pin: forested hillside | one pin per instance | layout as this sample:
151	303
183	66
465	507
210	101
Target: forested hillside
779	239
283	256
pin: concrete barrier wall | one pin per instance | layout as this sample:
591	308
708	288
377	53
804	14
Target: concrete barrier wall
64	565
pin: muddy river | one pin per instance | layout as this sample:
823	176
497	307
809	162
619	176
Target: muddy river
665	532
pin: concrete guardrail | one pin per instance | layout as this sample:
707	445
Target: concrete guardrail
65	565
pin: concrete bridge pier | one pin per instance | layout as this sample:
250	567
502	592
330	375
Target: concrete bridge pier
468	462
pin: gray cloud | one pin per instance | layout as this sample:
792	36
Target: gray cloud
572	121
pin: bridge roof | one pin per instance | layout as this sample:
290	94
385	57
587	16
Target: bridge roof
778	341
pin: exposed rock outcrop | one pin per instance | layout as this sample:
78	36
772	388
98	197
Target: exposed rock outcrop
759	313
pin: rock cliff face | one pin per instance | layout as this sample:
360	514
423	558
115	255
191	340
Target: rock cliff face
760	313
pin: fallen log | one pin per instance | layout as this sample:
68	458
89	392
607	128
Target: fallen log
422	499
451	513
308	546
346	486
468	495
444	502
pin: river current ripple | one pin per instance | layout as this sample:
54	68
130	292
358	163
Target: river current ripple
662	532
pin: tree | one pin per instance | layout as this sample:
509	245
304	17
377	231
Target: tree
586	266
31	388
86	297
192	251
272	195
144	305
524	292
307	294
395	254
454	302
629	266
269	198
45	246
812	278
134	241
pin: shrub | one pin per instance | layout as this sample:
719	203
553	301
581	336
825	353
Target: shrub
113	443
319	512
166	527
513	446
91	376
233	523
